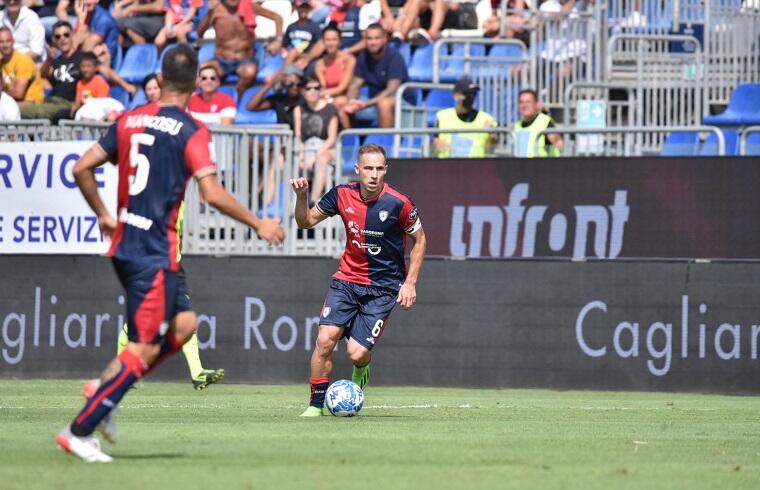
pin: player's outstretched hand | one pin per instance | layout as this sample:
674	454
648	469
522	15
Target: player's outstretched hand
270	230
407	295
300	186
107	225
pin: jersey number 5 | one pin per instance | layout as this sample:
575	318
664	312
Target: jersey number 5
139	162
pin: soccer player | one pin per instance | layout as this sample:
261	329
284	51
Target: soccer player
372	275
157	147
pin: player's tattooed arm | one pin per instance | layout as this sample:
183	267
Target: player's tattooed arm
407	295
305	217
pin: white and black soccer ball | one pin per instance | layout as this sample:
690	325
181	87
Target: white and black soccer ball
344	398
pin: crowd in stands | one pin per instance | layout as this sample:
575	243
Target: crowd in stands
331	64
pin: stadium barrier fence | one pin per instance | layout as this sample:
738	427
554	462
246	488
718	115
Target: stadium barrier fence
621	142
744	143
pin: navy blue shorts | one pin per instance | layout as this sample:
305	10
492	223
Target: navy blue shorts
154	296
230	67
362	310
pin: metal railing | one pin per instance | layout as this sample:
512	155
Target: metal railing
25	130
621	142
500	68
744	143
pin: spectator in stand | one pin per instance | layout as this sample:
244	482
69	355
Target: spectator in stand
423	20
20	76
45	10
303	38
316	130
517	21
335	69
464	115
179	21
90	83
284	100
532	124
61	69
382	70
139	21
9	110
346	18
209	105
151	88
28	31
96	31
234	22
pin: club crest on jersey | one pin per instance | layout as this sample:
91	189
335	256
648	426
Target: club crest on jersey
325	311
383	215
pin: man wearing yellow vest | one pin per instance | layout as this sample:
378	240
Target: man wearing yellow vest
528	129
464	116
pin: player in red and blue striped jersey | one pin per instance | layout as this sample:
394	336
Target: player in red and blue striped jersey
158	148
372	276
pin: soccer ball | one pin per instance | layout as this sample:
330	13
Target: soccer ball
344	398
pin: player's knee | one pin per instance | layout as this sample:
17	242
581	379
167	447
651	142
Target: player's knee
359	357
325	343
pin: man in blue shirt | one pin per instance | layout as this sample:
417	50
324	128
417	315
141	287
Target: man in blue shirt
95	26
382	70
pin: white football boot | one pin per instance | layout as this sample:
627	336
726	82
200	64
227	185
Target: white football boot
87	447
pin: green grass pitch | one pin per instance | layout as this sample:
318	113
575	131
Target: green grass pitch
250	437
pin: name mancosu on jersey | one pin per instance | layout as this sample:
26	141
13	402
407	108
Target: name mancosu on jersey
159	123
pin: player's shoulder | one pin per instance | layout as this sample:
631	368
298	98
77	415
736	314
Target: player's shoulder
347	187
394	192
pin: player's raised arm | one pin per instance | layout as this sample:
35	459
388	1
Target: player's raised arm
212	192
84	174
305	217
407	295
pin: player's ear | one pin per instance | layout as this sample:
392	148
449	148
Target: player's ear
356	168
160	79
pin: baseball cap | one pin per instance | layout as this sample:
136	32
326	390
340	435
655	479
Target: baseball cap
465	85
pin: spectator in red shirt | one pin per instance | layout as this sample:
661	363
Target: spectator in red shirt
209	105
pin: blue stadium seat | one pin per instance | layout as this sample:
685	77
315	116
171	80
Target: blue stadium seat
119	94
384	140
160	62
709	147
139	61
349	152
436	100
499	59
753	145
270	64
368	117
743	108
680	145
404	50
411	146
229	90
275	209
453	70
206	52
421	66
244	116
139	99
118	60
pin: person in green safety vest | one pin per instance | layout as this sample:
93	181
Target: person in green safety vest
527	130
464	116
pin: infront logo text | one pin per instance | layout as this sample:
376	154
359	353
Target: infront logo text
603	225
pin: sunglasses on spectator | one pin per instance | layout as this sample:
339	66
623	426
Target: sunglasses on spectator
213	79
311	87
62	35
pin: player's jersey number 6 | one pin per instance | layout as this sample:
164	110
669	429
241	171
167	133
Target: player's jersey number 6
139	162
